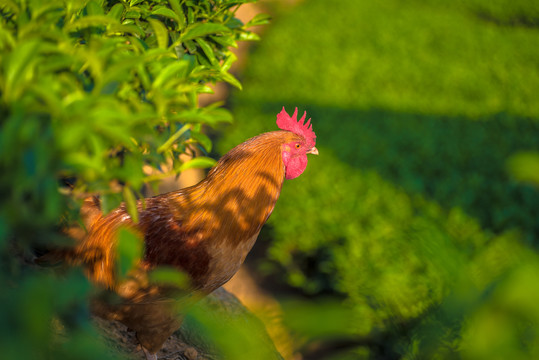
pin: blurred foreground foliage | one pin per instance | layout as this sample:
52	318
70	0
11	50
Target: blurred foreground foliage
92	91
426	120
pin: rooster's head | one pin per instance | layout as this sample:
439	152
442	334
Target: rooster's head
294	153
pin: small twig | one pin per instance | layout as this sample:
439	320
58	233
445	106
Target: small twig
173	138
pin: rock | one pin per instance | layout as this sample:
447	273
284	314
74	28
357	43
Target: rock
219	327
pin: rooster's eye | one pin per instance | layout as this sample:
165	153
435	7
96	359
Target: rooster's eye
298	146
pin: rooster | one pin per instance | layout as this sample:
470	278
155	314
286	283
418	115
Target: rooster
205	230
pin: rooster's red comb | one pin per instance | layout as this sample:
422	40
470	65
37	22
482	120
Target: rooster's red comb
285	122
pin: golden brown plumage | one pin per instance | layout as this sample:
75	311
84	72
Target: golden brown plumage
205	230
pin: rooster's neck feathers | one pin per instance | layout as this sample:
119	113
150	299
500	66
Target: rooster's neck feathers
247	181
239	193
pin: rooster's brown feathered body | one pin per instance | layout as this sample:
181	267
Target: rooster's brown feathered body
205	230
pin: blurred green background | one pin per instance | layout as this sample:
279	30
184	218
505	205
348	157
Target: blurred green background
413	235
421	211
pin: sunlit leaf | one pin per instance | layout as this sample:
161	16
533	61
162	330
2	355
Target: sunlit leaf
175	5
172	70
110	201
116	11
6	39
229	78
228	62
19	68
177	135
132	14
160	32
207	50
164	275
93	8
259	19
125	29
200	162
167	13
202	29
234	23
226	41
12	5
248	36
130	203
88	21
202	139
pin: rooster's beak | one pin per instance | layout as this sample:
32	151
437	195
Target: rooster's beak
313	151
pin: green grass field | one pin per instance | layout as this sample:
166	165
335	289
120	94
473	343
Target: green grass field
410	210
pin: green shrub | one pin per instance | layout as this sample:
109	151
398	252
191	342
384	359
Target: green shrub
90	91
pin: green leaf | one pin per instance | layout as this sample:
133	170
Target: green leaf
225	41
174	138
248	36
207	50
110	202
89	21
116	11
6	39
139	45
202	139
161	33
163	11
259	19
94	8
175	5
164	275
202	29
220	115
190	15
125	29
129	251
172	70
133	14
201	162
20	67
192	116
130	203
205	89
234	23
210	116
190	46
12	5
229	78
228	62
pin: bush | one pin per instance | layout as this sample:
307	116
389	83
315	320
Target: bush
90	92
